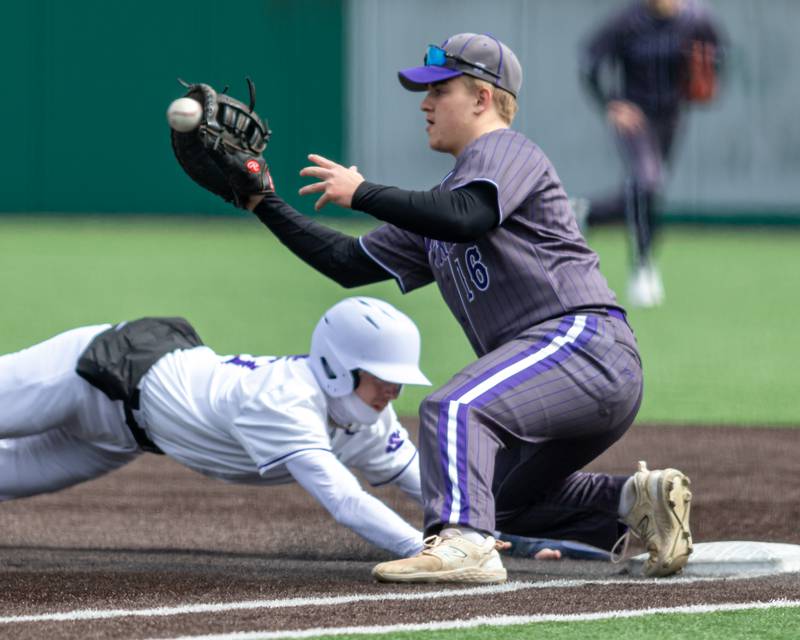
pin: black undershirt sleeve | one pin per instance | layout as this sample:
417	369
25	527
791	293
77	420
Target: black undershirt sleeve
334	254
592	83
461	215
453	216
600	57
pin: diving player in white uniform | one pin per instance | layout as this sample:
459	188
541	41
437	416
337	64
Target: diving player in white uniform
92	399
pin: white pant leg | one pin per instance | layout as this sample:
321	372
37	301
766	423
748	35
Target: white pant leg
54	460
55	428
39	389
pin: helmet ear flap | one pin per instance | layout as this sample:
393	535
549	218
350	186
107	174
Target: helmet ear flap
332	375
327	368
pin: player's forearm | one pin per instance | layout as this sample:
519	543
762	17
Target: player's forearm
590	71
591	82
598	54
378	524
409	481
453	216
333	486
334	254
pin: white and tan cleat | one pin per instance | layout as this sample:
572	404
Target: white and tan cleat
452	559
660	519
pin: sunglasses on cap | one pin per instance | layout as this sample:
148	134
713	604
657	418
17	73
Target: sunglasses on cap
437	57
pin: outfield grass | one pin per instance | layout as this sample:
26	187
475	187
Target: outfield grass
722	349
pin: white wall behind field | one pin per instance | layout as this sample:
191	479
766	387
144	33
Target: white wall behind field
742	153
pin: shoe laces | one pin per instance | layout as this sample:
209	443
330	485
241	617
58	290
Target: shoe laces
434	541
624	541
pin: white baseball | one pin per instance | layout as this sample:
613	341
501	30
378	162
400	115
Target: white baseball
184	114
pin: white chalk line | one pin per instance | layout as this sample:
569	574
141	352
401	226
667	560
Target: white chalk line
325	601
495	621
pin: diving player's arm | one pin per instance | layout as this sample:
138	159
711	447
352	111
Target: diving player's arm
332	484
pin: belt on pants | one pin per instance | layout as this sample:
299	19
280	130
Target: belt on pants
616	313
139	434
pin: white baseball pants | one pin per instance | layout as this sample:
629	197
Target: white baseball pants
56	429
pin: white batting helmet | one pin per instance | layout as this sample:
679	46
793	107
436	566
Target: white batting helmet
367	334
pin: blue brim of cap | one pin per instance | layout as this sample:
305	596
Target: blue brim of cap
418	78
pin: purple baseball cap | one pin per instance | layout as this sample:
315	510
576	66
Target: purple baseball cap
481	56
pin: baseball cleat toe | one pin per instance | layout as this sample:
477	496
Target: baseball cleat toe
453	559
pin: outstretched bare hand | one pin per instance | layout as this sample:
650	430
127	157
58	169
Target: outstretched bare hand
337	183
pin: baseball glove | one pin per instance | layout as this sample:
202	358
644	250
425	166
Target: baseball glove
224	153
701	80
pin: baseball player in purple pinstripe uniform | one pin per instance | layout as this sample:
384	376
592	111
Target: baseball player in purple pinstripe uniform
649	42
558	377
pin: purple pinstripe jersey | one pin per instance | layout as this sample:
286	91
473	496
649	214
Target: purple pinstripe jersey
652	53
534	266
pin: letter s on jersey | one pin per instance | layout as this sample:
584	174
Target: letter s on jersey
395	442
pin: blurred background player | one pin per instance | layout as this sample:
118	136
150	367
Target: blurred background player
92	399
558	376
642	67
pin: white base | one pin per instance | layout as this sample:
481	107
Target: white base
735	558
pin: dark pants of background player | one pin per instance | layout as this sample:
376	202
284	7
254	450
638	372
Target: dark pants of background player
503	442
646	155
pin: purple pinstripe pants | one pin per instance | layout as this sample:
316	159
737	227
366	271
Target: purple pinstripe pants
502	443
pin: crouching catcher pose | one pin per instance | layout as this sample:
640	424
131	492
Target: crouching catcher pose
92	399
558	377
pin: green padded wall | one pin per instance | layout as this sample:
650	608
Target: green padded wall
87	83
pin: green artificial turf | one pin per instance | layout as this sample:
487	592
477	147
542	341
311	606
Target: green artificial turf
721	350
770	624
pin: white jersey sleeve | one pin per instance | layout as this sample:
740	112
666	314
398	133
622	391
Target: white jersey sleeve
383	452
284	417
332	484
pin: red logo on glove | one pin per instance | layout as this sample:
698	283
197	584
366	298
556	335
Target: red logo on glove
253	166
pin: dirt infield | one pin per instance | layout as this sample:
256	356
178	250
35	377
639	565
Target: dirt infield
157	535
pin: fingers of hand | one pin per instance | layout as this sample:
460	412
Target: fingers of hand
337	182
316	172
548	554
322	161
322	201
317	187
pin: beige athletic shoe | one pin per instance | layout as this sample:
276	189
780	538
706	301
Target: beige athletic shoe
452	559
660	519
